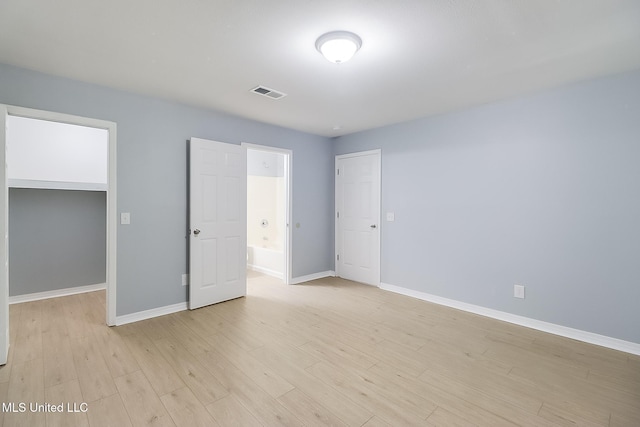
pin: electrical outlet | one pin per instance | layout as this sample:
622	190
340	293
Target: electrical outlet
518	291
185	279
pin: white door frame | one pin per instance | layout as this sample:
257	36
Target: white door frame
339	157
4	246
288	244
112	223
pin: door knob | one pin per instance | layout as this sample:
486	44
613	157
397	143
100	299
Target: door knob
373	226
196	231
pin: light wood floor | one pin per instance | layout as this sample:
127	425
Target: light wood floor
329	352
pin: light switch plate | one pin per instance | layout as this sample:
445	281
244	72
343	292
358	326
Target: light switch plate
391	216
125	218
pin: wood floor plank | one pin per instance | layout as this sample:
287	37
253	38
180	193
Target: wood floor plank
339	353
190	340
619	380
117	355
93	375
186	410
26	386
141	402
200	321
247	340
92	312
108	412
59	366
251	366
353	334
52	322
377	422
411	361
228	411
279	360
535	362
287	352
204	385
574	391
476	403
78	325
160	373
157	327
569	415
443	418
309	411
624	419
262	406
28	341
15	313
358	389
69	396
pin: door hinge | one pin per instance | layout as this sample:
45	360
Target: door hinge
337	214
337	171
338	257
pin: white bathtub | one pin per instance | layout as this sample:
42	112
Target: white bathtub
266	260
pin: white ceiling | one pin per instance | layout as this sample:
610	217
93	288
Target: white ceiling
418	58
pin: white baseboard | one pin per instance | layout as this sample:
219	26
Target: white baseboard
552	328
56	293
314	276
148	314
266	271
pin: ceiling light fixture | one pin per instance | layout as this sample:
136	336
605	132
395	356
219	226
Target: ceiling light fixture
338	46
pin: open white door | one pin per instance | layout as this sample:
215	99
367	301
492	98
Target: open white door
218	222
4	248
358	217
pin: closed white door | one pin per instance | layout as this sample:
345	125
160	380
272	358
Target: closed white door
218	222
358	217
4	249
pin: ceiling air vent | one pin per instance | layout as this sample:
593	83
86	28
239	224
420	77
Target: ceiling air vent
269	93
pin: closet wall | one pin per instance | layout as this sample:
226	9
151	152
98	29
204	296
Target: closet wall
57	205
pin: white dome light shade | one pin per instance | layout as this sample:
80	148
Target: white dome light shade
338	46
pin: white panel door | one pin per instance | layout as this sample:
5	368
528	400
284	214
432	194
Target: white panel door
218	222
4	249
358	217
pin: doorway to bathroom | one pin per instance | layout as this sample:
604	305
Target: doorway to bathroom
268	211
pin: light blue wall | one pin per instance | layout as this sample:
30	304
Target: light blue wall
57	239
542	191
152	184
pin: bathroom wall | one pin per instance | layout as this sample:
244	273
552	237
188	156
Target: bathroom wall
265	199
266	227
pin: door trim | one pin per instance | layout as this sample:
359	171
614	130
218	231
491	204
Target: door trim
377	152
4	245
289	203
112	215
